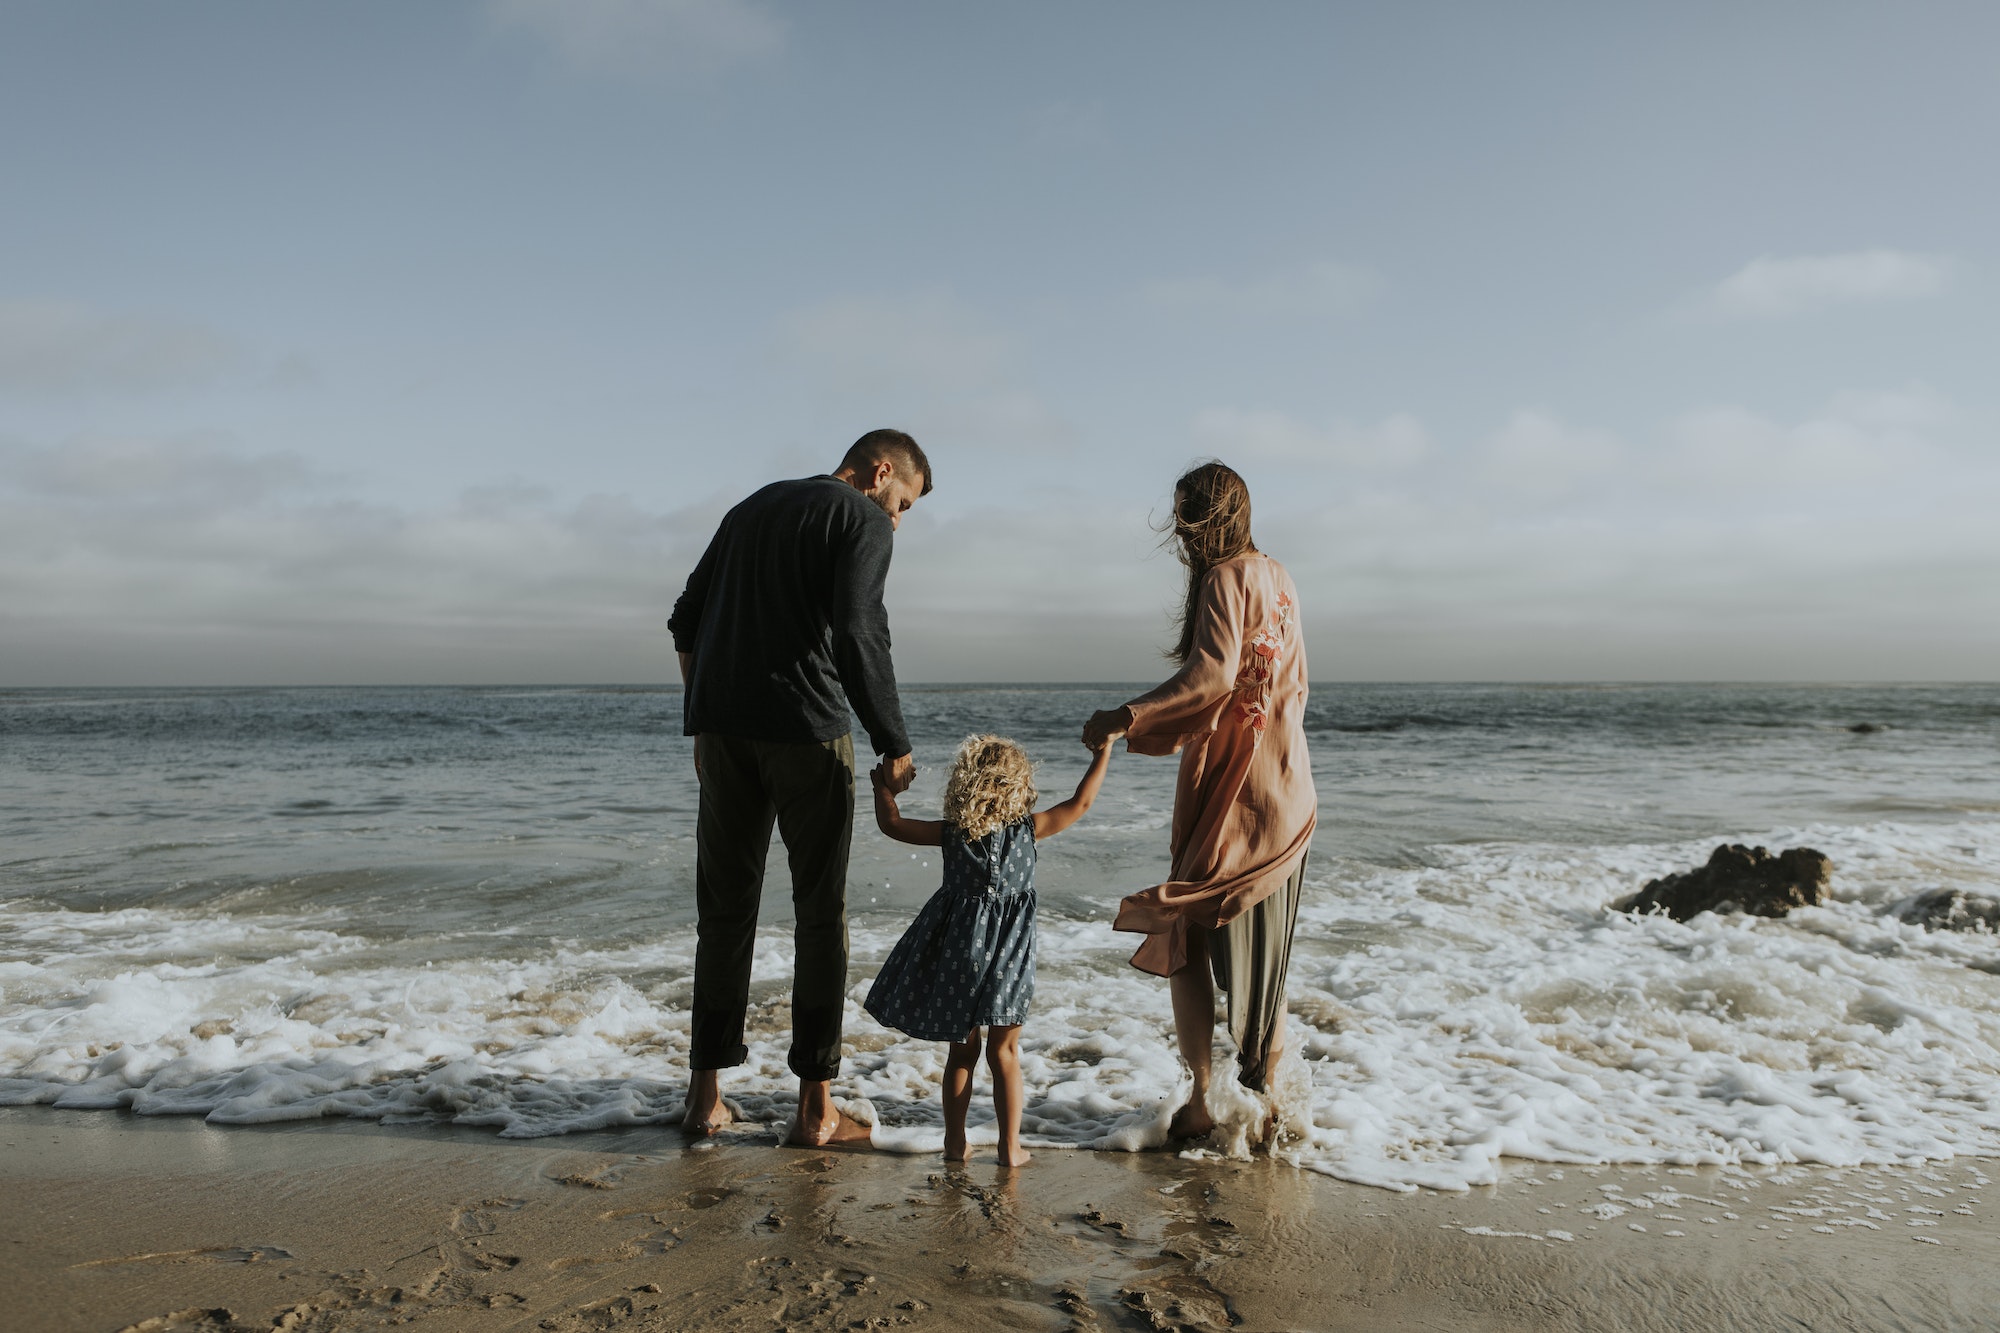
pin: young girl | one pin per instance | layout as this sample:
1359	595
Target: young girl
968	961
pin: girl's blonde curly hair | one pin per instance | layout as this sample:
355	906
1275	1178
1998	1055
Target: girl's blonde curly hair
992	784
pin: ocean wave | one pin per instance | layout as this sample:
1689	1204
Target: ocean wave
1484	1004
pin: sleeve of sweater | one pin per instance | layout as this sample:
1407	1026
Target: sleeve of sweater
1189	702
685	623
860	625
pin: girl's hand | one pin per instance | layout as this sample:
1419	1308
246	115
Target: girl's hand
918	832
1106	725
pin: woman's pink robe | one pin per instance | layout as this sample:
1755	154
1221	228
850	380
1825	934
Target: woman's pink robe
1244	805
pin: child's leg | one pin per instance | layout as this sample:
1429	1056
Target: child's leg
1003	1057
959	1064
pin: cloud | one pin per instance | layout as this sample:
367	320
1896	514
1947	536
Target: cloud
1850	542
1059	585
1879	583
1394	442
212	565
1769	288
649	36
1853	541
111	468
54	347
1322	288
926	360
131	560
1535	452
1857	438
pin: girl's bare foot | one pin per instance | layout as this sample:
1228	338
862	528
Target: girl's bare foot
1192	1121
955	1148
1015	1157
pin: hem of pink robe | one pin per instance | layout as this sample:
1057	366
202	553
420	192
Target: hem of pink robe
1164	951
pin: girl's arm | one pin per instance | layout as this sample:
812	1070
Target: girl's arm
916	832
1056	818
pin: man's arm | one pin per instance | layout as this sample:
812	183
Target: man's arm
860	626
685	622
685	625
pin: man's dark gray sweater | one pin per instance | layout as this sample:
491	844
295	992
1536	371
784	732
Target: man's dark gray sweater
784	614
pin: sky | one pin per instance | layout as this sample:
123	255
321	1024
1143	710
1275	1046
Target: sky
392	343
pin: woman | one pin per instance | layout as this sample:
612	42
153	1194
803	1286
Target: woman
1244	805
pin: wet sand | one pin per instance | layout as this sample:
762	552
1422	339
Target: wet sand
116	1222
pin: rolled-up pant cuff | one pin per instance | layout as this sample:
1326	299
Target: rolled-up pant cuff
725	1059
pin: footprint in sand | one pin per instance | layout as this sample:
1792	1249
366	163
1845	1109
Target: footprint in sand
207	1254
706	1198
1181	1302
1093	1217
602	1314
195	1320
483	1218
471	1226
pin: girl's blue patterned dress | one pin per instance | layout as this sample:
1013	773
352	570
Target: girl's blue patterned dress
968	960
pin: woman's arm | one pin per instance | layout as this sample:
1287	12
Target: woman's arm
1185	703
916	832
1056	818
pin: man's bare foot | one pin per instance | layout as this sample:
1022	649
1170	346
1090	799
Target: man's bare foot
842	1131
1018	1156
706	1111
955	1148
821	1124
1192	1121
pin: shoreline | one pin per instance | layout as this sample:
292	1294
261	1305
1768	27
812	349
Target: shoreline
159	1224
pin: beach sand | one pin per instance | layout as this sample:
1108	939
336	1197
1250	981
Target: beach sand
118	1222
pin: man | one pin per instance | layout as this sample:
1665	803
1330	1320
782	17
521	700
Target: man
780	629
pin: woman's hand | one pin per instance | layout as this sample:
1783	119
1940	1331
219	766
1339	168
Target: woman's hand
1106	725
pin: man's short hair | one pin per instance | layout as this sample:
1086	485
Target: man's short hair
893	447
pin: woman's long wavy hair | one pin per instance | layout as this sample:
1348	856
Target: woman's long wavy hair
1211	524
992	784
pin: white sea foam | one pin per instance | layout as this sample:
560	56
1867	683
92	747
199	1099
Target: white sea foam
1484	1006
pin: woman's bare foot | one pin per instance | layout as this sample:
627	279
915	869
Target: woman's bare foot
706	1111
955	1148
1016	1156
1192	1121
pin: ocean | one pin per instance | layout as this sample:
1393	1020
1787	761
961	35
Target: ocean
476	906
